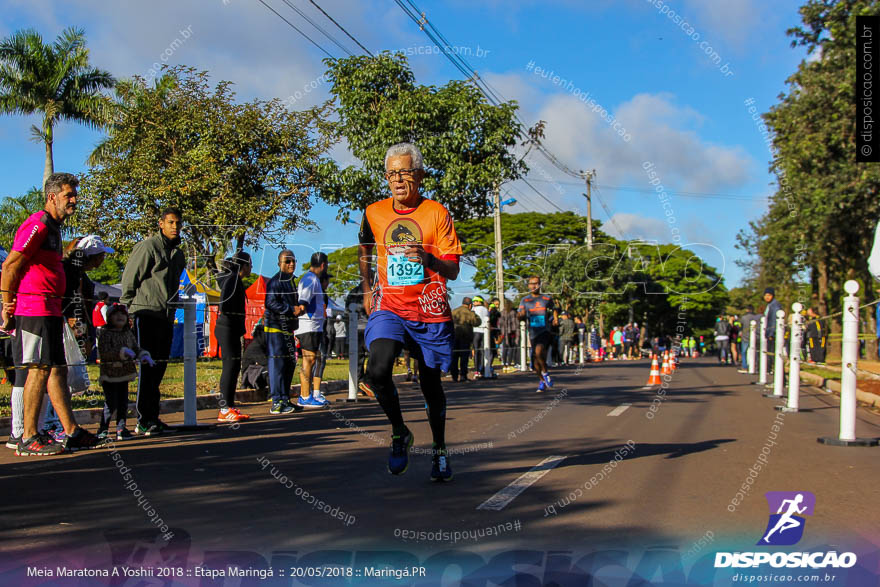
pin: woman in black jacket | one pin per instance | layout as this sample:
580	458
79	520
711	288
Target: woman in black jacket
229	329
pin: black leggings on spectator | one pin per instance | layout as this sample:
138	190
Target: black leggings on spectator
230	355
383	352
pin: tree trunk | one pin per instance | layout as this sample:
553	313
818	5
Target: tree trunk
49	167
601	326
822	284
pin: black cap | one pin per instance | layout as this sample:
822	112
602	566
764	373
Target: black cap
770	291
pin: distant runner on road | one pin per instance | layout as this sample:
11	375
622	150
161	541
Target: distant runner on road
417	251
540	312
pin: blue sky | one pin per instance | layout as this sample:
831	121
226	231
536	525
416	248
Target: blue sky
647	64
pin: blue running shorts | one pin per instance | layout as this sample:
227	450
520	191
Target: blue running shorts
433	339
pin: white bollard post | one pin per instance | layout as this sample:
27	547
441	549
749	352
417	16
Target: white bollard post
581	345
352	352
762	358
523	353
189	361
794	365
778	364
849	363
487	352
753	340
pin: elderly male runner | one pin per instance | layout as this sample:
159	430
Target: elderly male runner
417	251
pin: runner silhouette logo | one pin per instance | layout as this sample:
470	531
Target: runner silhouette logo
786	524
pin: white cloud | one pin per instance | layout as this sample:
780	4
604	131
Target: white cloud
661	132
635	227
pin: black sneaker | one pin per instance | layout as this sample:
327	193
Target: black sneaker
13	442
398	460
83	439
163	427
441	470
38	445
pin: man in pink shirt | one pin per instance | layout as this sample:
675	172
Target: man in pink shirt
32	286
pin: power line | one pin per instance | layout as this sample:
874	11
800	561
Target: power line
297	30
314	24
341	28
608	213
491	95
685	194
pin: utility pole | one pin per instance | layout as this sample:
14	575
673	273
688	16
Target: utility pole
590	175
499	266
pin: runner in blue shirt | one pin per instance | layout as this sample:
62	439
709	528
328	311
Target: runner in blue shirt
540	312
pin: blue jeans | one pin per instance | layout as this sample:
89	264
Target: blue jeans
51	422
282	363
743	353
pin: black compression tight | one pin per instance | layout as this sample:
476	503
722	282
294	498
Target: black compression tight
383	352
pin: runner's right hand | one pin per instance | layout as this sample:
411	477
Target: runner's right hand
368	303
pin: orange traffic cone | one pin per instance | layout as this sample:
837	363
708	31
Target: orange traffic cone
664	367
654	378
673	362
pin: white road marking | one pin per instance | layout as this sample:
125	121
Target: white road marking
619	410
500	500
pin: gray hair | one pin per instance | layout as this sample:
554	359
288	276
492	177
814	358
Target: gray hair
405	149
56	182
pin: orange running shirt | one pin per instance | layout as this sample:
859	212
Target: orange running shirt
410	290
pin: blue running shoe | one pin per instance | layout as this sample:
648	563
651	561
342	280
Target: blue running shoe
541	387
398	460
308	403
441	470
547	380
320	399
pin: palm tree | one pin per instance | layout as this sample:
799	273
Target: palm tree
55	80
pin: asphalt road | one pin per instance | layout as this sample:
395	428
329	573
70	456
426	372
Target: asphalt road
674	481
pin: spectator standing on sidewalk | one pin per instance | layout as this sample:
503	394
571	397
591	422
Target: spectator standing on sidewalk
229	329
280	322
341	340
509	335
770	310
311	329
150	283
479	332
32	286
816	337
464	320
567	336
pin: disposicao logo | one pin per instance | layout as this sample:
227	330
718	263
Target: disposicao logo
786	528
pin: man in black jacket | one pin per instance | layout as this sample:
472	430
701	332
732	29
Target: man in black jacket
150	283
280	322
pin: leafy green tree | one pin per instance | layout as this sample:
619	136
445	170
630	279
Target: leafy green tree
239	172
57	81
528	238
466	142
821	220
